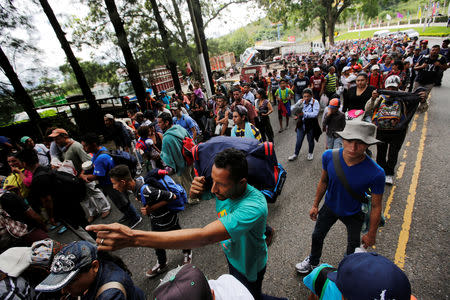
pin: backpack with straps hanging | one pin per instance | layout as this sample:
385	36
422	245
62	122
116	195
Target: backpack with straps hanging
389	114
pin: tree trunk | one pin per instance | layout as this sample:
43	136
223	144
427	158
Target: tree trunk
184	43
171	63
331	27
19	92
200	41
81	79
130	62
323	31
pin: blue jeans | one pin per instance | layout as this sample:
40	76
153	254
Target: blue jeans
334	142
300	136
255	288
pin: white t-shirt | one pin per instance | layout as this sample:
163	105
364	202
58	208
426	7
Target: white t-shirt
227	287
42	154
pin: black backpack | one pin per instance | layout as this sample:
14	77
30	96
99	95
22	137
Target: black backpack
67	184
123	158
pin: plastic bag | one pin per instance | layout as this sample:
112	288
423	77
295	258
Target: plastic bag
323	101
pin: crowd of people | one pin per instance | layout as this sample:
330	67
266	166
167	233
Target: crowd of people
366	93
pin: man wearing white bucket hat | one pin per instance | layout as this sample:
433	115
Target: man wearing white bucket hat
346	175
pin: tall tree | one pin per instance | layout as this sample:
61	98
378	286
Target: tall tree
200	40
305	12
12	18
81	79
20	93
171	63
132	67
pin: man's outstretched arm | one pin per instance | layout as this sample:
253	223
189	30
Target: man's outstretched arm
116	236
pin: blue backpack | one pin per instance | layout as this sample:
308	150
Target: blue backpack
166	183
264	171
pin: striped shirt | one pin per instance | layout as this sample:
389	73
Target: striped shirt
255	131
330	85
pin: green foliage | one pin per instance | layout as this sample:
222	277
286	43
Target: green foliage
235	42
94	72
429	31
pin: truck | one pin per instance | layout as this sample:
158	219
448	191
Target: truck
126	90
221	63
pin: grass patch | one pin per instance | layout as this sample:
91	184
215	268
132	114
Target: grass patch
429	31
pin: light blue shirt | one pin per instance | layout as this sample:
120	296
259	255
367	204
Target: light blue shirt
311	110
250	97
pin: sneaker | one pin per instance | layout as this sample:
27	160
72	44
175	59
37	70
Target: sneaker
310	156
156	270
193	201
62	230
292	157
187	258
132	222
389	179
305	266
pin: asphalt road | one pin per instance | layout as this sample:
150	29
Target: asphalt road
416	209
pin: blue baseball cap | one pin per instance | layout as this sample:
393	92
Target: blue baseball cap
67	264
370	276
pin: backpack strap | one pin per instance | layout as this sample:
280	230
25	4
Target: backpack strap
321	280
111	285
343	179
141	192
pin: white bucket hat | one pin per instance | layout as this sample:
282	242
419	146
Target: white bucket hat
359	130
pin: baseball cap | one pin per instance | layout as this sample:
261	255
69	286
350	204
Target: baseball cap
345	69
373	56
301	71
67	264
185	282
109	116
351	78
316	69
375	67
424	41
56	132
370	276
24	139
334	103
393	80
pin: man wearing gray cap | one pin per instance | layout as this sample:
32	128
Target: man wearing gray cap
346	175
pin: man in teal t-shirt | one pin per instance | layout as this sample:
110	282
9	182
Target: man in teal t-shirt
244	219
242	212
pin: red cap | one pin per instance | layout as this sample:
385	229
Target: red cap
334	102
58	131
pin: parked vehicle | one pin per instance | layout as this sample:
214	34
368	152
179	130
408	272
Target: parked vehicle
411	33
317	47
248	71
381	33
126	90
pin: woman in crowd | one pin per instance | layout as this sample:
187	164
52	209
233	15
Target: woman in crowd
264	109
307	124
356	97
